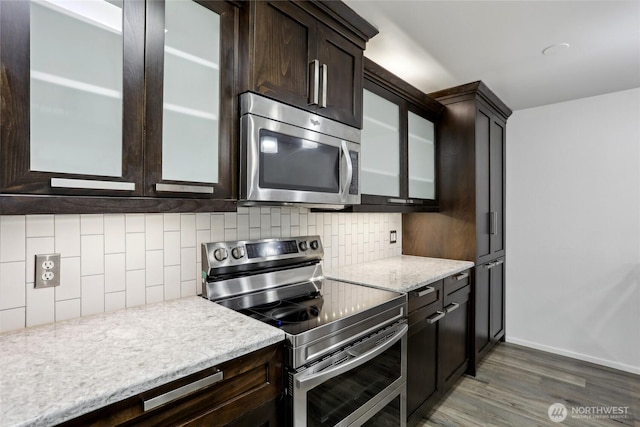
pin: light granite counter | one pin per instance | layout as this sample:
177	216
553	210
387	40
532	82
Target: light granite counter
52	373
402	273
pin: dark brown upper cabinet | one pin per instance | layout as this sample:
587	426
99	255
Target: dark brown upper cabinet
306	54
399	168
72	98
126	98
191	107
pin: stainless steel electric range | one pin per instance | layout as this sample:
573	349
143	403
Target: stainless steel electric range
345	343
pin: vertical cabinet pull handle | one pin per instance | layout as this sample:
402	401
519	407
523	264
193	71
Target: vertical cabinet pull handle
493	226
314	82
324	70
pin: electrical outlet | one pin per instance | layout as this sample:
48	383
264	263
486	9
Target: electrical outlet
393	236
47	272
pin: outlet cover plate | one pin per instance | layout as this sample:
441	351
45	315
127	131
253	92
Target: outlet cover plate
46	265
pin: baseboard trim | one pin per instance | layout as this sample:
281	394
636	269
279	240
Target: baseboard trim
574	355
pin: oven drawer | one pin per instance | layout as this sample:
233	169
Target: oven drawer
457	281
425	295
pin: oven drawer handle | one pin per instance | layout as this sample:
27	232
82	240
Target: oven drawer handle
153	403
311	381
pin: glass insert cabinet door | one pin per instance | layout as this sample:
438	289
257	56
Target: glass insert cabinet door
70	95
421	164
189	102
380	150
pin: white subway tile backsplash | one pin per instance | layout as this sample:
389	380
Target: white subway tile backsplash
12	285
37	245
155	294
115	301
154	227
171	222
187	230
91	255
171	248
114	234
136	290
114	261
40	225
188	261
155	268
12	238
115	273
135	223
172	282
135	251
40	306
67	235
12	319
67	309
69	279
92	300
91	224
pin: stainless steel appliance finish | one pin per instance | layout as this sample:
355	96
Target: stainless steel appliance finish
346	343
288	155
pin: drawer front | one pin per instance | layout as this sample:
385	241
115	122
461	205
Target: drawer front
460	296
425	295
457	281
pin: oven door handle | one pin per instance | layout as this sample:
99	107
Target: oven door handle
349	177
311	381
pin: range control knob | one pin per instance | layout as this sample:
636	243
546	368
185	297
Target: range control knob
303	245
237	252
220	254
315	245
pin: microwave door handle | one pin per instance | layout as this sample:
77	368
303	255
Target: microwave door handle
347	181
313	380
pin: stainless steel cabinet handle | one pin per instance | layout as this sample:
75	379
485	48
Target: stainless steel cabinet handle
493	226
451	307
324	70
500	261
425	291
402	201
490	265
182	391
433	319
177	188
90	184
314	82
461	276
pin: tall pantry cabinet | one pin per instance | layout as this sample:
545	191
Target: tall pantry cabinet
470	223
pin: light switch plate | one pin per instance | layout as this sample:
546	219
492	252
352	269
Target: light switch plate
47	272
393	236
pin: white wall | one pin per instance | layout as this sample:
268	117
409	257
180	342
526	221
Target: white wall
573	229
110	262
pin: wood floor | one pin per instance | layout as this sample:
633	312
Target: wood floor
516	385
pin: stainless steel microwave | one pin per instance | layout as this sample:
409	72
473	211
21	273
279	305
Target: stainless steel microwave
288	155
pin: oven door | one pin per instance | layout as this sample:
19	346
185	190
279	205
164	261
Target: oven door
285	163
361	384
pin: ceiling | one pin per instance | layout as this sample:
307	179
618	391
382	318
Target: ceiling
436	44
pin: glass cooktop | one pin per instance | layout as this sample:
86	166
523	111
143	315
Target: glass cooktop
301	307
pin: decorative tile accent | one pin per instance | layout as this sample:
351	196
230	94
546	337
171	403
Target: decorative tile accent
114	261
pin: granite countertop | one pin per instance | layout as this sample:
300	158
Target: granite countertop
402	273
56	372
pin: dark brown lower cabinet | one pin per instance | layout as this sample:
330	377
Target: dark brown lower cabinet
437	345
489	306
246	391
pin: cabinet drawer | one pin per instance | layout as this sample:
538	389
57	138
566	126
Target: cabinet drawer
221	394
457	281
425	295
460	296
